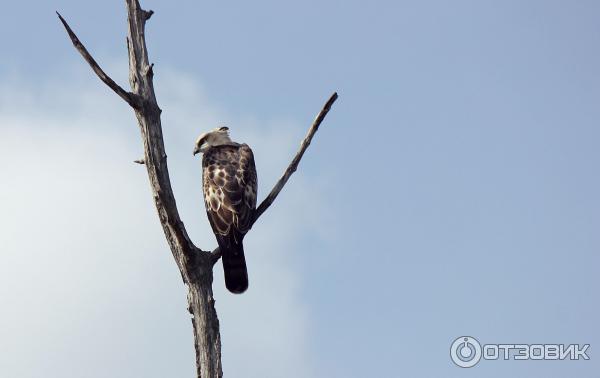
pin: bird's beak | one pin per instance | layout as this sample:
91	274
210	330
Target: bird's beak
200	148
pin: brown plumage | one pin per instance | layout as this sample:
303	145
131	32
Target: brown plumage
229	184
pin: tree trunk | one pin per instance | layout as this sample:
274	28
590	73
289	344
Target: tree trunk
206	328
195	265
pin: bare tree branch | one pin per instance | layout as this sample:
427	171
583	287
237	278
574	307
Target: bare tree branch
216	254
129	97
294	164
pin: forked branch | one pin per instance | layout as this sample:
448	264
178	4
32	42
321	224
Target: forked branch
129	97
143	100
194	264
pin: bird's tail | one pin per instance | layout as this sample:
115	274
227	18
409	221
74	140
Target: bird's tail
234	267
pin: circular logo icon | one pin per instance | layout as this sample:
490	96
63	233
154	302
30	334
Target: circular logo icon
465	351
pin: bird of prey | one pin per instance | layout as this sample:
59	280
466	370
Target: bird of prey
229	184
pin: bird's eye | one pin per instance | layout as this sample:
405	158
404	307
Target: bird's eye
224	128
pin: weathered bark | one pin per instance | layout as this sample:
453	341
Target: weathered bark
206	327
194	264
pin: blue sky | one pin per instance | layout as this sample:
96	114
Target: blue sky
452	190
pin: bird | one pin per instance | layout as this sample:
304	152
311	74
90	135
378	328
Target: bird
229	182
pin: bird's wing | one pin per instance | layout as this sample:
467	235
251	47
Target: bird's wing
229	180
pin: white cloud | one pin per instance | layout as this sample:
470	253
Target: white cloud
87	283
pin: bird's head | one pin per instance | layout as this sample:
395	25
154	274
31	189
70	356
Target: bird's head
215	137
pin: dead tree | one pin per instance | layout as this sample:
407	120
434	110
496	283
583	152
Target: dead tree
194	263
